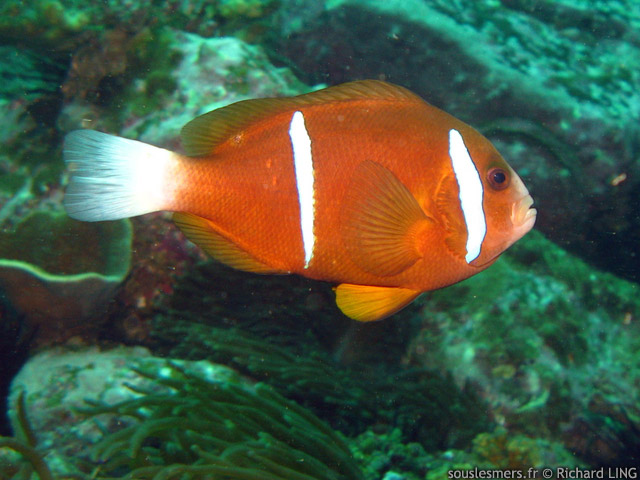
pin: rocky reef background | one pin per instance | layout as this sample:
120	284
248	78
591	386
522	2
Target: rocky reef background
532	363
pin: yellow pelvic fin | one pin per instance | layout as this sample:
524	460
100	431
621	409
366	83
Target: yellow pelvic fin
201	232
382	222
366	303
202	134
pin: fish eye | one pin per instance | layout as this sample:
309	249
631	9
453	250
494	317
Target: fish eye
498	178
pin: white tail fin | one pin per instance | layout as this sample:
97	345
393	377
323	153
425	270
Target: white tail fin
113	177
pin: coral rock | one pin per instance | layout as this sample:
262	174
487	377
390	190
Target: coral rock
58	273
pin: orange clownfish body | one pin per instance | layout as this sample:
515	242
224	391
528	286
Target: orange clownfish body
363	184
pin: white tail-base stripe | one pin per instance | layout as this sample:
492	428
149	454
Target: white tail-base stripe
113	177
303	165
471	193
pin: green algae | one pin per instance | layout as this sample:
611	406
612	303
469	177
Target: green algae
544	291
534	329
149	77
381	453
233	9
596	290
386	455
44	22
58	24
28	144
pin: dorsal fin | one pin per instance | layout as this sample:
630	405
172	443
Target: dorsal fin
202	134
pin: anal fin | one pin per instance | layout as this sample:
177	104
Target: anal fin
367	303
201	232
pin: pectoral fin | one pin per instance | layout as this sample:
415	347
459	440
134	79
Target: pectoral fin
455	228
382	221
366	303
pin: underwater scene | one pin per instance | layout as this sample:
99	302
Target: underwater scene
319	239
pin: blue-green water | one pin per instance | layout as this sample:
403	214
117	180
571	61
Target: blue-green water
225	374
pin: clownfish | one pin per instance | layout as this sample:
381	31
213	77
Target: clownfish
363	184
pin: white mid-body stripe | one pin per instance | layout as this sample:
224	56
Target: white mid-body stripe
303	165
471	193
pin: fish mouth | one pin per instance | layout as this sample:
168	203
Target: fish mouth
523	215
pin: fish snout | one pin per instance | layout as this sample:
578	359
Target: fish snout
523	215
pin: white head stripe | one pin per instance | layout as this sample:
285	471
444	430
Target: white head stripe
303	165
471	192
